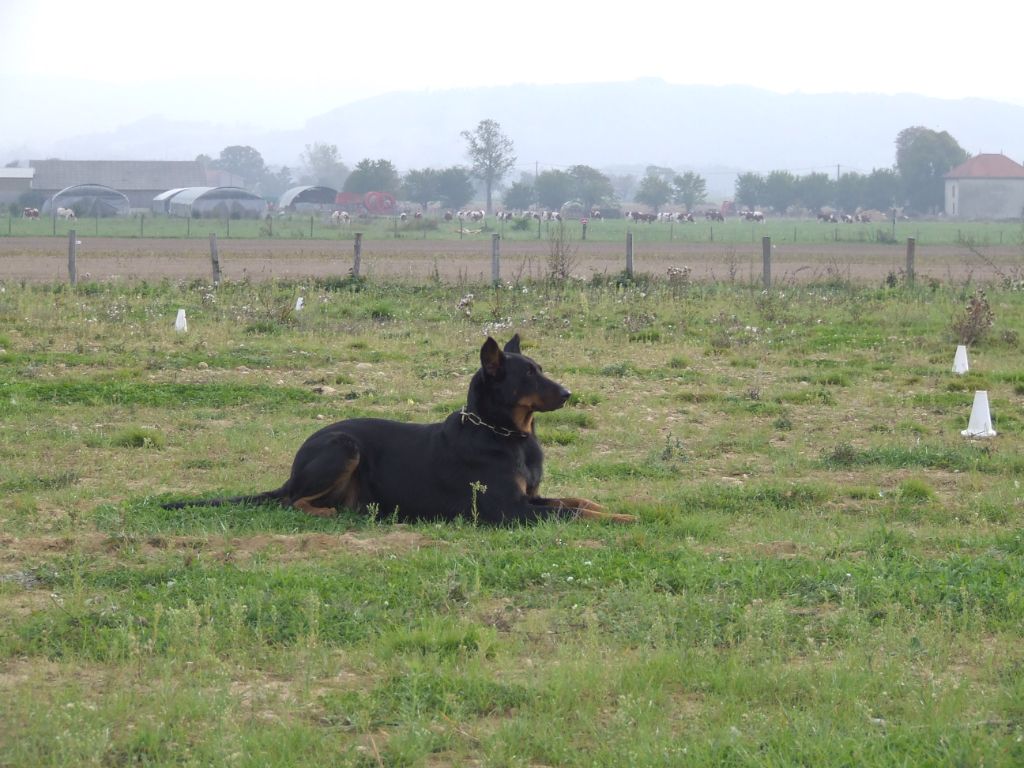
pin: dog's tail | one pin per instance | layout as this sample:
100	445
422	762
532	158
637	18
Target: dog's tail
277	495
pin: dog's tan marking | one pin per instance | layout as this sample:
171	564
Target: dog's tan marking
522	412
591	510
303	505
343	491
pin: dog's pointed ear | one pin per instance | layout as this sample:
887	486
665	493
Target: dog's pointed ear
491	358
512	347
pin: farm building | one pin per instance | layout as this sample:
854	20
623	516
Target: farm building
308	199
988	186
217	203
92	200
162	202
14	182
139	180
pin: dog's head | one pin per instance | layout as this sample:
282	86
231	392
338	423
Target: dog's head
516	384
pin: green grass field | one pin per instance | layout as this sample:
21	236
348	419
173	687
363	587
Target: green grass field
826	573
300	227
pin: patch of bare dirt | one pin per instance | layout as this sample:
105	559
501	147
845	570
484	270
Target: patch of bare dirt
281	547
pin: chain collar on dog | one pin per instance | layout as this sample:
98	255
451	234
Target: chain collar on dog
472	418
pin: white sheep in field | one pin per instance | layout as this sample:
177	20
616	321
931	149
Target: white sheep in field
66	213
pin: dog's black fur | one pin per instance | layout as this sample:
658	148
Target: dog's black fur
483	462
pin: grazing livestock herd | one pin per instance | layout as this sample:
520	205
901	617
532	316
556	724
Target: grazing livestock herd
845	218
477	215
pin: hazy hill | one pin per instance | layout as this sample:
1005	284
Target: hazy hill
716	130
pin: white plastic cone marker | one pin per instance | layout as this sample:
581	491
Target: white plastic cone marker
960	360
980	424
299	302
181	324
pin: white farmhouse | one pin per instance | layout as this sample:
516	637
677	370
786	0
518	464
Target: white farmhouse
988	186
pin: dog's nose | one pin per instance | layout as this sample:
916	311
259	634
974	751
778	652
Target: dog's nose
564	393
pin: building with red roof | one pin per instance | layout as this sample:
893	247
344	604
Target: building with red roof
988	186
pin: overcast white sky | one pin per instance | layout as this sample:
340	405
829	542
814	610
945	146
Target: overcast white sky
68	68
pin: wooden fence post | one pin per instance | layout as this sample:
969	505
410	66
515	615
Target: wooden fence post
214	258
911	246
495	258
766	258
72	254
358	254
629	254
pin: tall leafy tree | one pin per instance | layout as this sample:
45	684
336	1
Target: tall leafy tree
689	189
653	191
244	161
815	191
373	176
490	153
323	166
750	189
421	186
850	192
455	187
923	157
590	186
520	196
276	182
661	171
881	189
554	188
779	190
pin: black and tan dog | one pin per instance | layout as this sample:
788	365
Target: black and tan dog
483	461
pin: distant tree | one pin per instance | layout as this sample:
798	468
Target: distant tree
689	189
923	157
205	161
653	191
779	190
554	189
491	154
421	186
750	190
323	166
274	183
590	187
12	164
373	176
244	161
455	187
815	191
849	192
881	189
520	196
623	186
662	172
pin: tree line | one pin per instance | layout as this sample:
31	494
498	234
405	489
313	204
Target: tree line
915	181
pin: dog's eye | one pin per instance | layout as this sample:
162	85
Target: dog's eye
530	372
